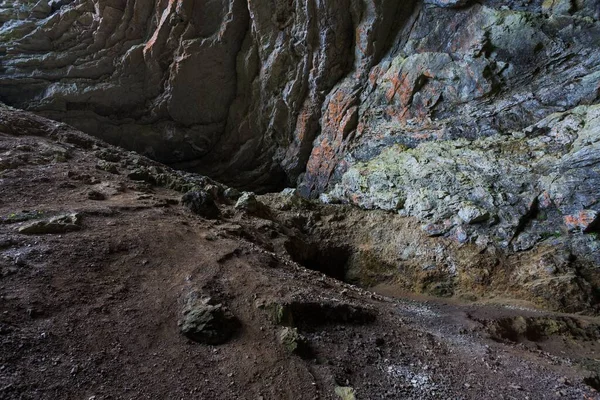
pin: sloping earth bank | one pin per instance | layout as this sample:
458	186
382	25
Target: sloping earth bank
98	258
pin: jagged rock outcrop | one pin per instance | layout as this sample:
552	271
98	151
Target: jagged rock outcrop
544	180
263	93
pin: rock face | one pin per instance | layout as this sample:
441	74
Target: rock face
522	188
265	93
464	252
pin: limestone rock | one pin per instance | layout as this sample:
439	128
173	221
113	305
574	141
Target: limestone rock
249	203
265	95
345	392
585	220
231	194
293	341
448	3
514	188
472	214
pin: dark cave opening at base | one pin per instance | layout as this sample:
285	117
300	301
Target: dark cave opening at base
331	260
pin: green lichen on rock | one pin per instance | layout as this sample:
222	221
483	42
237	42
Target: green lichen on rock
55	225
293	341
492	183
280	314
345	392
22	216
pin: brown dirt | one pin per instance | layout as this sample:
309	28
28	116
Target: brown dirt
93	314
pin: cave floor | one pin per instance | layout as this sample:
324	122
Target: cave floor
93	313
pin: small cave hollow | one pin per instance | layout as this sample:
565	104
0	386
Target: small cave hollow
329	259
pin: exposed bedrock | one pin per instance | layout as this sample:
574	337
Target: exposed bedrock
263	94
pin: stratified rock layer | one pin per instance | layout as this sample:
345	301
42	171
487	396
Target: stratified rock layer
263	93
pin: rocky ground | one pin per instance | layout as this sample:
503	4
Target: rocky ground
121	278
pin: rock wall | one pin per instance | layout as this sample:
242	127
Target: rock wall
285	92
536	191
231	88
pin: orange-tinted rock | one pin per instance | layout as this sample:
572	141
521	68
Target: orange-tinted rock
585	220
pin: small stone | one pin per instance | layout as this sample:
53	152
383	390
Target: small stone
471	214
326	198
207	323
293	341
461	234
140	174
564	381
59	224
345	392
585	220
447	3
108	167
202	203
231	194
290	192
434	230
249	203
213	190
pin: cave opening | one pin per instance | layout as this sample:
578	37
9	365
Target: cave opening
329	259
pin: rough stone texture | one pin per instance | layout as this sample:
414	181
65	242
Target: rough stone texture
55	225
368	248
264	93
202	203
206	322
514	191
479	119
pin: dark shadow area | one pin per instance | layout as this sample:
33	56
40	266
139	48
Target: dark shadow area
326	258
